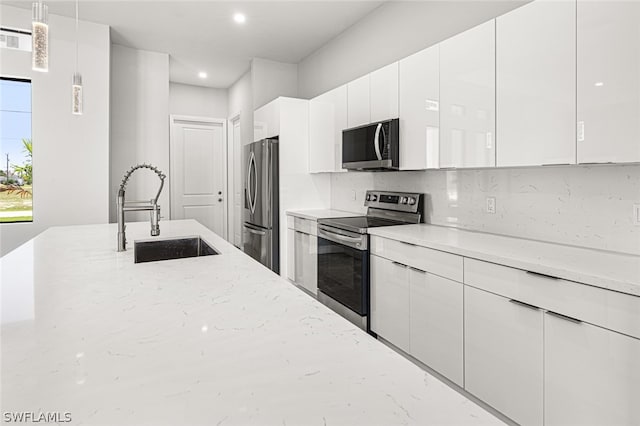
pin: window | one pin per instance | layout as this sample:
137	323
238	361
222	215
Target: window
16	171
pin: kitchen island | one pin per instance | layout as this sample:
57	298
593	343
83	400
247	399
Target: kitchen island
209	340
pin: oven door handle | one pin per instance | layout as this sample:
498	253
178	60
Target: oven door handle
358	243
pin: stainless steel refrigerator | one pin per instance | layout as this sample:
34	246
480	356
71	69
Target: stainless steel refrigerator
260	233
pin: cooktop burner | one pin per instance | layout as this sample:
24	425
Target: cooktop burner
358	224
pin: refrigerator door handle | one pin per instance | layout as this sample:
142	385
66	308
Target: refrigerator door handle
255	185
252	162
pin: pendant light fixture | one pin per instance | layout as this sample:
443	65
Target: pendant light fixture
76	81
40	37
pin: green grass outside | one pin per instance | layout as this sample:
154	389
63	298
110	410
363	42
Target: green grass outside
14	202
16	219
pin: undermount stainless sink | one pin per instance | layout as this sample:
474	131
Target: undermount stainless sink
171	248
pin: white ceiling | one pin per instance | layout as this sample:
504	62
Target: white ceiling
202	36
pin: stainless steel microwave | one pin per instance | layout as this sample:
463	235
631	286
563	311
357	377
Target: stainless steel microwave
371	147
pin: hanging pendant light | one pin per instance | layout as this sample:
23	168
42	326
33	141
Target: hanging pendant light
40	37
76	81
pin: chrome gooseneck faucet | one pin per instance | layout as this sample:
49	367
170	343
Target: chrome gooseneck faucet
133	206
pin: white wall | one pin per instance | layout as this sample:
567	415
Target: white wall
70	153
139	125
185	99
271	79
587	206
240	103
391	32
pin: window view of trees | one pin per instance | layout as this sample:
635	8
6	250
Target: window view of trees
16	147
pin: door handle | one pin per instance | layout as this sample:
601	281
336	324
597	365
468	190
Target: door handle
564	317
376	140
402	265
524	305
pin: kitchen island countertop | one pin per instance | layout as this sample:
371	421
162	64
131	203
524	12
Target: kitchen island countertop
210	340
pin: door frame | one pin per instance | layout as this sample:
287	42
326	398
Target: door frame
174	120
234	175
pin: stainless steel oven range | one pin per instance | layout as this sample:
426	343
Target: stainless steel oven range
343	251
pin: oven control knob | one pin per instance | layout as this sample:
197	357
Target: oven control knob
403	200
374	197
412	201
368	197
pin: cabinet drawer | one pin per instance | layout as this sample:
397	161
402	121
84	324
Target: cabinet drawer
433	261
307	226
606	308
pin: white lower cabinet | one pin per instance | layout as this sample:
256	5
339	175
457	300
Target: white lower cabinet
302	253
504	354
436	333
306	261
390	301
592	375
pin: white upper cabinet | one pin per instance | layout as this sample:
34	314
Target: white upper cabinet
373	97
419	101
608	82
266	121
327	119
384	93
358	101
536	84
467	98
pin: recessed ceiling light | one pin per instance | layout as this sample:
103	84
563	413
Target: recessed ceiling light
239	18
202	74
599	84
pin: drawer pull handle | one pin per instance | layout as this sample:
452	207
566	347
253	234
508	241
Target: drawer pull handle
402	265
524	305
409	244
418	270
538	274
564	317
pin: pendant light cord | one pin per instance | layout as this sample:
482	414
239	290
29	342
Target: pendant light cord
76	36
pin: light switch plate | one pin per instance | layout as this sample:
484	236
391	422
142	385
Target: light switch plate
636	214
491	205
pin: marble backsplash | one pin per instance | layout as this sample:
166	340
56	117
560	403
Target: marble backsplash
586	206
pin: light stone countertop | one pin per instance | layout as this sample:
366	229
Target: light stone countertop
321	214
610	270
217	340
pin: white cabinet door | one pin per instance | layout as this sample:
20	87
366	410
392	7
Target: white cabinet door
306	261
419	105
327	120
467	98
383	86
266	121
608	82
504	355
592	375
390	301
436	336
358	102
536	84
291	254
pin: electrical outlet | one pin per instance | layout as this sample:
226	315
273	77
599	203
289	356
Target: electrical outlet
353	195
636	214
491	205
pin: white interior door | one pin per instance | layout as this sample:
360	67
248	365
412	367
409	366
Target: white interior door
236	189
198	171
